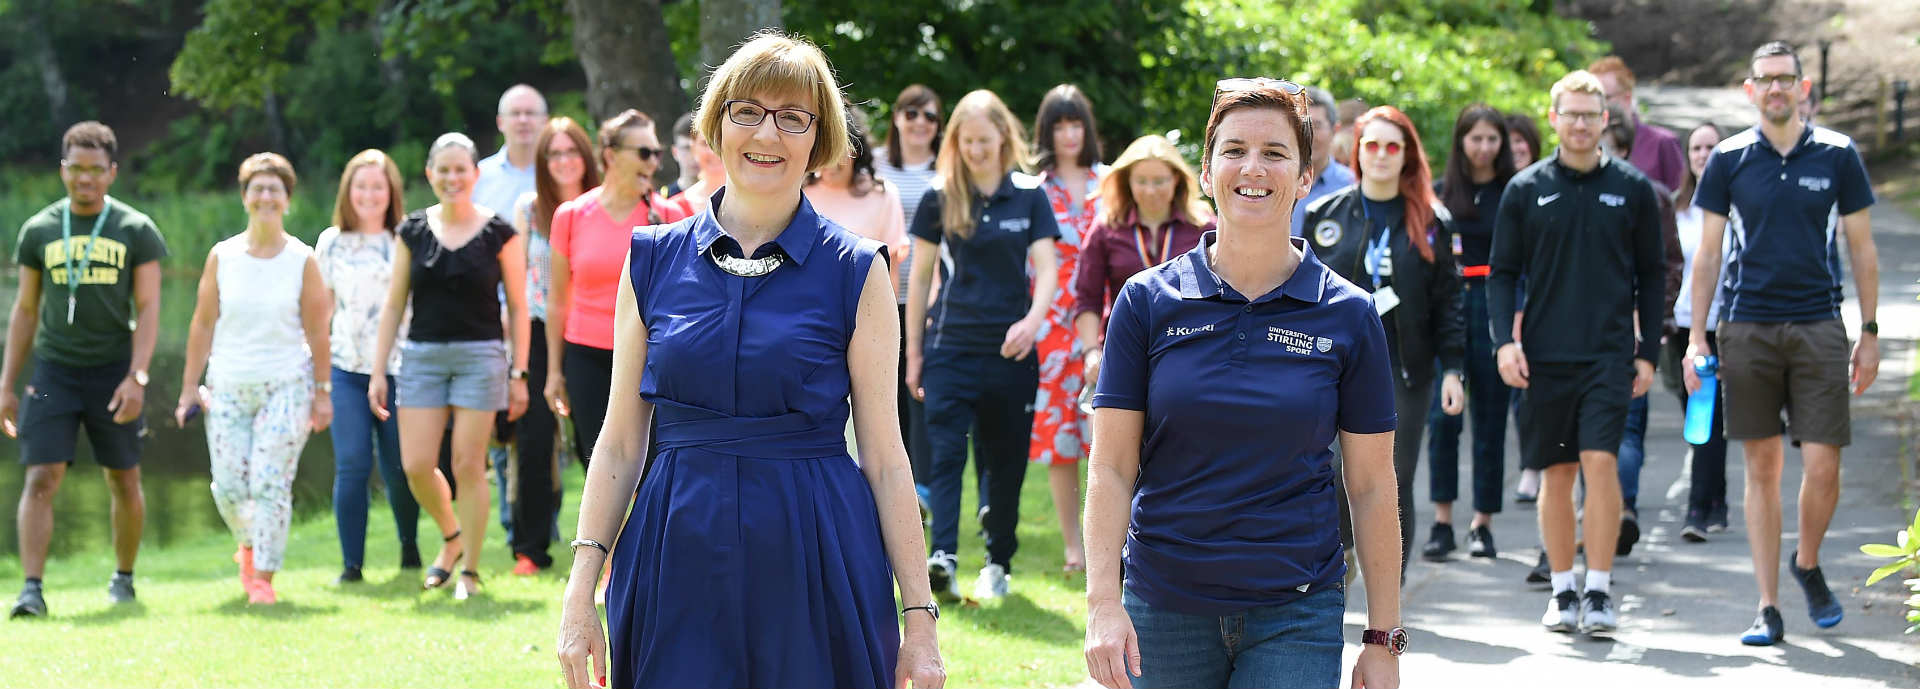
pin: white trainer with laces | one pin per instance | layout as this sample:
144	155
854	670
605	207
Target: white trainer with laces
993	583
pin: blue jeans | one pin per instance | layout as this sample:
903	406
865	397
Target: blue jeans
990	399
1294	644
1486	405
355	431
1633	452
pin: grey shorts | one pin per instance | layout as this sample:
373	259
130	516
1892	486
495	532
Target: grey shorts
1800	368
469	375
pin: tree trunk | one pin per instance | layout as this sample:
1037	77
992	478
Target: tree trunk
40	50
628	59
276	125
725	23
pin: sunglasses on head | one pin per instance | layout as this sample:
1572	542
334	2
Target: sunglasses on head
913	115
1239	84
1372	146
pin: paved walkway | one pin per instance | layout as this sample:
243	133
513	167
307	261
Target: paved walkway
1474	623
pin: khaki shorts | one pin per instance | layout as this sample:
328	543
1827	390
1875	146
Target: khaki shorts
1797	367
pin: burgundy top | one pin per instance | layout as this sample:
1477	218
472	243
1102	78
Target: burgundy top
1111	255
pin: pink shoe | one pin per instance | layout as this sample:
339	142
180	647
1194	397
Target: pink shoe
260	592
244	556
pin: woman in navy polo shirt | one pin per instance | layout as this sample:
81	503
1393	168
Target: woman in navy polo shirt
1228	372
1390	235
974	364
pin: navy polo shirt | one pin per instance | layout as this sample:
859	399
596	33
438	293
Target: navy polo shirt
983	278
1783	222
1234	506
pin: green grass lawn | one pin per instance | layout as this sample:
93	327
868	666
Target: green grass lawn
192	626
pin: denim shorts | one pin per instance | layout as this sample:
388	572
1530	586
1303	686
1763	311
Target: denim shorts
1292	644
469	375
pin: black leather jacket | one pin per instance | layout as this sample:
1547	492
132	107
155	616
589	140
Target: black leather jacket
1430	318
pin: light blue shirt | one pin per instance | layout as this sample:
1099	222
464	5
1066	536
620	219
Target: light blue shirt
501	183
1335	178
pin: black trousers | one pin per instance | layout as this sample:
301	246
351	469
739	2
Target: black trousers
589	372
536	493
913	420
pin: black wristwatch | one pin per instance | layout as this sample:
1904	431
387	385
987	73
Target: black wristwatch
1871	328
1394	639
932	608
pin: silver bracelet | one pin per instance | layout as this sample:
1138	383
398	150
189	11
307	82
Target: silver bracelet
590	542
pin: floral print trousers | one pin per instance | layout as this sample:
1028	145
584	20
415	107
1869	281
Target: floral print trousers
255	433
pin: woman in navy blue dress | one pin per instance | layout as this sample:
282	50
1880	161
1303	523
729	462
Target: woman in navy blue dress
757	552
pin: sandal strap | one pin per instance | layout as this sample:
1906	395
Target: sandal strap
470	573
449	537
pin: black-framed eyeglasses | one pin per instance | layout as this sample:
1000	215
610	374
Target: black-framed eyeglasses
644	152
1779	81
1238	84
912	114
747	113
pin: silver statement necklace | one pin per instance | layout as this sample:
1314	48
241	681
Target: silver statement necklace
744	267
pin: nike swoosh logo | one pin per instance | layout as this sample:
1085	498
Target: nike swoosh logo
1544	200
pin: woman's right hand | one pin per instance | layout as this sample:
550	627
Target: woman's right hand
1090	368
583	646
1113	649
377	395
913	376
556	393
190	397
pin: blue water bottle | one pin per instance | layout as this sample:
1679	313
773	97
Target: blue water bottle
1699	427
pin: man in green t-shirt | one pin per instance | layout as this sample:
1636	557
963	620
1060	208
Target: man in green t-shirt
89	312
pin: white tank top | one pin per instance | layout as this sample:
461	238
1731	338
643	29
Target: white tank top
258	337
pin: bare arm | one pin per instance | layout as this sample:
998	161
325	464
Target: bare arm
559	299
1864	258
21	325
1112	647
871	358
146	304
206	311
1367	466
513	275
1046	277
1706	274
919	286
619	457
316	315
390	315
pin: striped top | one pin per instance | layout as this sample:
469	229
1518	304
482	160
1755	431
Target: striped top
911	183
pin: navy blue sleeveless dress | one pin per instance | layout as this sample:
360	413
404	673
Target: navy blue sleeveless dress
753	555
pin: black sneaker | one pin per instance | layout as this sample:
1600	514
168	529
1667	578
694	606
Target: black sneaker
1596	614
1540	575
1821	606
1480	542
30	603
1696	529
350	575
1717	519
1629	533
1768	629
1439	543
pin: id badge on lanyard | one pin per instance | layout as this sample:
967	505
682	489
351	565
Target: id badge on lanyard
1379	265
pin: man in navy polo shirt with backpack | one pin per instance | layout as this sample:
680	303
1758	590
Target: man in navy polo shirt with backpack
1784	194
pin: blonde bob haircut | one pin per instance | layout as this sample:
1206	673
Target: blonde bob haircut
1116	192
272	164
774	63
952	175
343	217
1579	81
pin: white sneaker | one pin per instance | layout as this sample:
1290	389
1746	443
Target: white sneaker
992	583
1563	612
940	576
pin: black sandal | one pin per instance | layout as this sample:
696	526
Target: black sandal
436	576
463	590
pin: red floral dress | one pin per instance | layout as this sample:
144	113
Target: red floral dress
1060	429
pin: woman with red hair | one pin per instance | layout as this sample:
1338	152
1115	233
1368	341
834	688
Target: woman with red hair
1391	236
